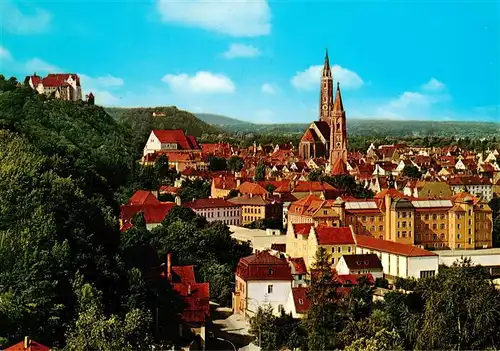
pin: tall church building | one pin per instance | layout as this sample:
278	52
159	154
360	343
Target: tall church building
327	137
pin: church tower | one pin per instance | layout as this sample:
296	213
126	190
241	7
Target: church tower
326	92
338	136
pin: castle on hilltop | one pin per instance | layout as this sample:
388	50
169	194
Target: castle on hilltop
327	137
64	86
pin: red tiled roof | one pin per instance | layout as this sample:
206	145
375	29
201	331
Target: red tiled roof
304	186
195	295
302	228
301	302
167	189
369	242
252	189
33	346
153	214
298	264
178	137
364	261
209	203
226	183
143	197
58	79
263	266
334	235
393	193
339	167
352	279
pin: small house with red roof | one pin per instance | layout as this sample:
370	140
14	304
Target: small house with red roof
144	201
28	345
261	279
360	264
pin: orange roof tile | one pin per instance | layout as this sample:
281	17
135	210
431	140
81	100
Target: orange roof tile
369	242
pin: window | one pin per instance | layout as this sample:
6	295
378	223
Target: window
427	274
470	241
372	218
325	212
271	271
333	260
470	212
470	221
426	217
442	236
435	237
339	249
458	236
458	215
434	216
458	225
348	249
333	250
270	289
441	226
280	308
442	216
404	214
470	231
363	219
434	226
404	224
380	228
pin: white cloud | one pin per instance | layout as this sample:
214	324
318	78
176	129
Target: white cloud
39	66
98	86
201	82
310	78
109	81
433	85
243	18
241	50
5	54
268	89
17	22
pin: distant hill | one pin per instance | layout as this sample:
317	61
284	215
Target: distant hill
366	127
220	120
141	121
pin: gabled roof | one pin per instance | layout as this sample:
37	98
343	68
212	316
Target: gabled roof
334	235
143	197
369	242
252	189
302	228
153	214
298	265
32	346
323	128
300	300
364	261
352	279
339	167
176	136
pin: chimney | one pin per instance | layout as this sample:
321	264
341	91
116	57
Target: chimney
169	267
189	289
27	342
238	182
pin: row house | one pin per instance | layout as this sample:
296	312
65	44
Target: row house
427	189
478	186
303	240
257	207
217	210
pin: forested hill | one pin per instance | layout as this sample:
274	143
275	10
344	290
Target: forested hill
141	121
61	265
366	127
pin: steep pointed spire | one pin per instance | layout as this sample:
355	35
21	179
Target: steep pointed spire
338	106
326	65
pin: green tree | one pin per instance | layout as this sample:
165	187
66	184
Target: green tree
411	172
495	206
324	318
496	231
233	193
217	163
360	299
263	326
314	175
93	330
270	188
235	163
194	189
260	171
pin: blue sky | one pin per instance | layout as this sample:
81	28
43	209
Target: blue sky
259	60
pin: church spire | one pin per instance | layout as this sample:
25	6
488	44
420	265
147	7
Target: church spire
326	66
338	106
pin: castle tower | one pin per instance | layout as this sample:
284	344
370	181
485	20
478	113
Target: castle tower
326	92
338	134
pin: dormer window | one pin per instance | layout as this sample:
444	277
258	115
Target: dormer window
271	272
301	302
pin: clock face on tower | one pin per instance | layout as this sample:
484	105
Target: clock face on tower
324	107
